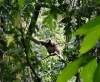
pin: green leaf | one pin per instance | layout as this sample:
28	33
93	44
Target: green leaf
87	72
16	50
90	40
17	19
13	1
16	68
72	68
21	3
85	1
88	27
1	0
10	40
92	32
98	1
48	20
97	74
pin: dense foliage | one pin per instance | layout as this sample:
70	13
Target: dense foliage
73	24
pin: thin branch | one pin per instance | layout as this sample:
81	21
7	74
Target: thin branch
77	78
27	59
78	14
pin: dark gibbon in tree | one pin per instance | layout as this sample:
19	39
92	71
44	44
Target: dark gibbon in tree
51	46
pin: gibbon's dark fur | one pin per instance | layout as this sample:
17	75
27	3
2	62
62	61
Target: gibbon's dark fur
51	46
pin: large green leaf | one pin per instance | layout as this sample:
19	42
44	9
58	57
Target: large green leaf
92	32
72	68
90	39
97	74
88	27
87	72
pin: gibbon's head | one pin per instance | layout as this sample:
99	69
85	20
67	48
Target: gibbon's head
48	41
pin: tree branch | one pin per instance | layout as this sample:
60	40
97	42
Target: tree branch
34	17
27	59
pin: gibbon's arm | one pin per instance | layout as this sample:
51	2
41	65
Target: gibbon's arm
39	41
